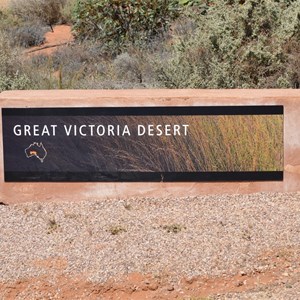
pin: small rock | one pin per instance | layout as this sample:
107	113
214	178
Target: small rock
243	273
239	283
285	274
153	286
260	269
144	288
170	288
189	280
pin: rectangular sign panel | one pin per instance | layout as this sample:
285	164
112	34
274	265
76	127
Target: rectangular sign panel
131	144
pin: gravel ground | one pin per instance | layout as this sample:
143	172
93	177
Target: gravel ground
276	293
192	236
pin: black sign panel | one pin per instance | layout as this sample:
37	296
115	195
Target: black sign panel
131	144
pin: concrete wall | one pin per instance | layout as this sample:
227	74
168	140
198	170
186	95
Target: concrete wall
24	192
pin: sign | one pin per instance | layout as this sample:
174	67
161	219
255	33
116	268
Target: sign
131	144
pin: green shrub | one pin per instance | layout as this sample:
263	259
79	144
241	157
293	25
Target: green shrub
8	20
11	75
209	44
67	11
119	22
14	82
237	44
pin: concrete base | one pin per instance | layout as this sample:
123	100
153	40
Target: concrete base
27	192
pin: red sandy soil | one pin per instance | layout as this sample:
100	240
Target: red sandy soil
4	3
282	269
60	36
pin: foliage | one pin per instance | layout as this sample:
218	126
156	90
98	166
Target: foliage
11	75
119	22
8	20
67	11
190	2
292	68
240	44
44	11
201	5
155	44
27	35
133	67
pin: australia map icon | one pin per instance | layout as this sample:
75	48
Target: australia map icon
36	150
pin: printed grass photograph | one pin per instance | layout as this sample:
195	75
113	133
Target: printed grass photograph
155	143
212	144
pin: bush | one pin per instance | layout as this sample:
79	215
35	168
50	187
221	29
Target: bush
230	44
128	68
119	22
238	44
8	20
291	77
66	68
11	75
27	35
45	11
14	82
67	11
